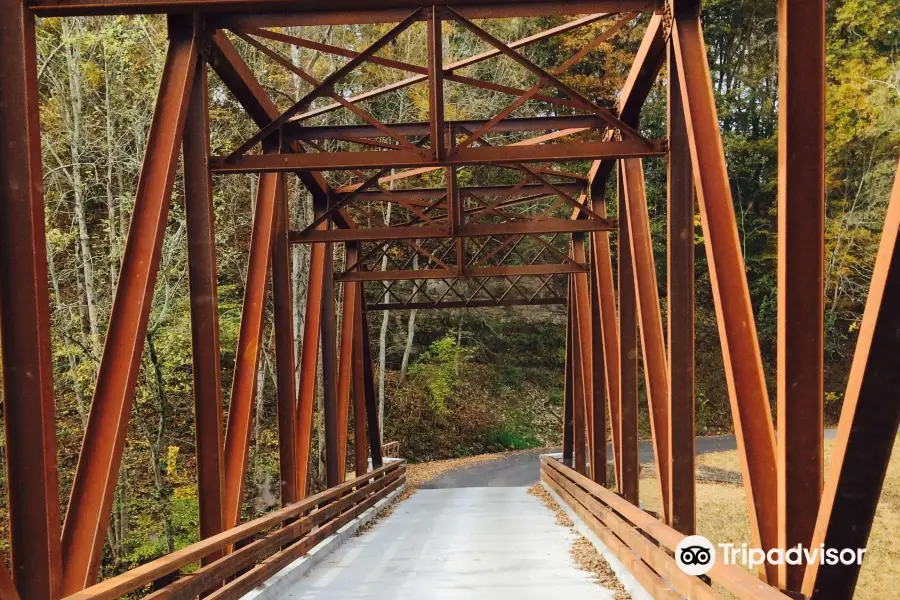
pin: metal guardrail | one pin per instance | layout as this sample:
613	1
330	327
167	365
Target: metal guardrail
643	543
267	544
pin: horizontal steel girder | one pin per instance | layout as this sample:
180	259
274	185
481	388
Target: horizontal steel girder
424	128
483	155
339	11
480	303
545	226
476	272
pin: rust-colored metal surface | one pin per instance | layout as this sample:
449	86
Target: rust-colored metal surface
360	441
604	291
649	319
801	274
349	307
630	468
205	347
283	323
568	391
246	364
578	411
494	211
87	518
680	310
868	426
752	416
28	407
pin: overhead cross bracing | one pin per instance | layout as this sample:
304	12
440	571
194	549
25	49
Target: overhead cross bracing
448	217
497	196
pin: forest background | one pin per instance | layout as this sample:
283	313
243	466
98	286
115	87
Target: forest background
98	79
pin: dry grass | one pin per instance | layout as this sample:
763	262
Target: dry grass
583	552
421	473
722	517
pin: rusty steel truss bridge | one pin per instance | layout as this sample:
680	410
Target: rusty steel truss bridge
544	237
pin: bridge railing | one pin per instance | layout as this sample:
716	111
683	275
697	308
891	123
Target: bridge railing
643	543
391	450
254	551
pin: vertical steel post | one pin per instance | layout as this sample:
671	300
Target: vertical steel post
309	360
247	356
606	294
359	388
283	318
680	318
435	51
801	274
578	420
374	426
598	412
205	351
744	375
569	394
28	405
345	363
585	345
650	321
333	468
87	518
628	354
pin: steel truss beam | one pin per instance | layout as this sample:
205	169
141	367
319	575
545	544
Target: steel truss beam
87	518
284	348
246	364
349	332
416	196
28	405
801	275
628	353
737	328
583	339
205	347
490	303
475	272
603	289
482	155
510	125
531	228
680	309
341	12
373	418
641	78
650	320
869	422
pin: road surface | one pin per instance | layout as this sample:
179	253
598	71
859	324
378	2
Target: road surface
467	543
523	469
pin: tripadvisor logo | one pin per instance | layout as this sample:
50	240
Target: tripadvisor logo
696	555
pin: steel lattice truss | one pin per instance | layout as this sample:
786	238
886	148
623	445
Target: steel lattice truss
493	209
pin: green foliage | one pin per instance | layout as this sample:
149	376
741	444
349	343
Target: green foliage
440	367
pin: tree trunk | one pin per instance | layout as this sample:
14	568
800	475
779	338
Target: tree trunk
382	336
410	330
75	147
114	253
158	444
73	363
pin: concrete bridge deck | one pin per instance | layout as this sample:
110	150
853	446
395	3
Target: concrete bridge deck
471	542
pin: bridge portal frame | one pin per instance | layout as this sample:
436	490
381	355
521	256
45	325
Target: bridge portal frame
783	475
